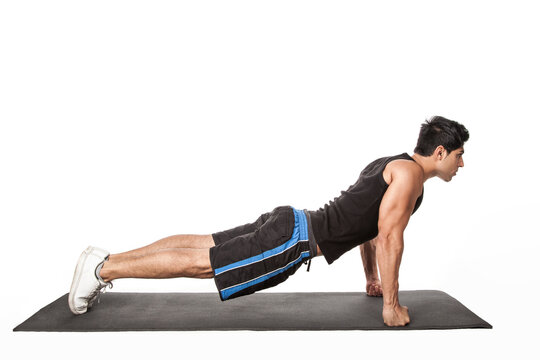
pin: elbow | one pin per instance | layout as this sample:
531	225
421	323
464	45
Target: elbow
390	240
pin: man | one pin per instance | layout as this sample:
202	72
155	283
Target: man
373	213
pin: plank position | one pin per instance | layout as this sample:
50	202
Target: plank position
372	214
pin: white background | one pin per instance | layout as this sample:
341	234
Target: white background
125	122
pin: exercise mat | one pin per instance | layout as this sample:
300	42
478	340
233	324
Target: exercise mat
429	309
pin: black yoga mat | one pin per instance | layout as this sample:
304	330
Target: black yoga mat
428	309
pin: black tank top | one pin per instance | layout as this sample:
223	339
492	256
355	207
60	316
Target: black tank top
352	218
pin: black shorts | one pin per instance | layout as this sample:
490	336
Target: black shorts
259	255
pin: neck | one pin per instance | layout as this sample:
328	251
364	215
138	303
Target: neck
426	164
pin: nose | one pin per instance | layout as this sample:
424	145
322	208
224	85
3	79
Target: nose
461	163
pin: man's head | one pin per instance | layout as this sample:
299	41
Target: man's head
442	141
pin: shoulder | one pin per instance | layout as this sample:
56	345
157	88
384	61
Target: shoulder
398	202
405	172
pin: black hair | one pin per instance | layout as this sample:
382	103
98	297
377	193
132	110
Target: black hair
440	131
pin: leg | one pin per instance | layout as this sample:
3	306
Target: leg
96	269
160	264
170	242
173	256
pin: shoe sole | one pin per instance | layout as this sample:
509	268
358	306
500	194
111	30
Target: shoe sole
76	280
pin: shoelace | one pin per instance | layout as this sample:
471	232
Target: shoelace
103	290
96	294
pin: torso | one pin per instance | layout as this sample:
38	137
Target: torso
352	218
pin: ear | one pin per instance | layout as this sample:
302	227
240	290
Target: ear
440	153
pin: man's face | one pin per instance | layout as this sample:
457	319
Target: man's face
449	165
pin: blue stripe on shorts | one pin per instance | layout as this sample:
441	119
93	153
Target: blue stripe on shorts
300	234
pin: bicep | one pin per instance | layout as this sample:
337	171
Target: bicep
397	204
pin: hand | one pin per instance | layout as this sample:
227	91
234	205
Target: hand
396	316
374	288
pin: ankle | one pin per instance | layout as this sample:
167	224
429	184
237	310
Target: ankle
105	272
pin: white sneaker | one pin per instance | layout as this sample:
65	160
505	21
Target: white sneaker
87	283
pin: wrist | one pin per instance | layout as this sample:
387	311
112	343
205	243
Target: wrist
372	278
390	303
390	307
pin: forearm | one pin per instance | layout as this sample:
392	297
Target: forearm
369	260
389	252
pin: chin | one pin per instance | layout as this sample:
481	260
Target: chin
446	179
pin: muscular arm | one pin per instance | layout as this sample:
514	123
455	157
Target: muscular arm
368	254
394	213
369	259
389	253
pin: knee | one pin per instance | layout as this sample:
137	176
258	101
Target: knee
204	267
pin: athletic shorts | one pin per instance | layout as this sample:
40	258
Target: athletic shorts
262	254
